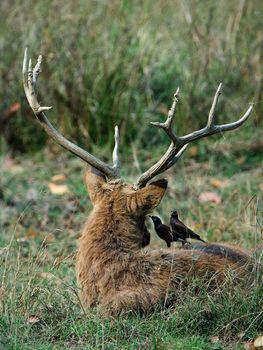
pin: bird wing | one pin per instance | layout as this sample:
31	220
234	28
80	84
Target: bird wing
187	231
164	232
176	229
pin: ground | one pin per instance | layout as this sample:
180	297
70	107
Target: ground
40	220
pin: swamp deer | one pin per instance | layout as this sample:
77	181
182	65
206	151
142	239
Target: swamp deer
114	273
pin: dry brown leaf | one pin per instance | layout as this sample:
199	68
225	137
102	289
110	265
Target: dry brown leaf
258	343
13	109
32	234
214	339
58	178
219	183
211	197
33	319
58	189
261	187
193	151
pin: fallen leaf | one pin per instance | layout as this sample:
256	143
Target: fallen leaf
193	151
58	189
58	178
33	319
211	197
258	343
214	339
13	109
261	187
32	234
219	183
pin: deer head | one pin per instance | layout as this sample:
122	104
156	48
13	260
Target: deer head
105	186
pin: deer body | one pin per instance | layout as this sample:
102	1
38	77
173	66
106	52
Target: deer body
113	270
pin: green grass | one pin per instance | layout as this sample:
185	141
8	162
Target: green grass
119	62
38	241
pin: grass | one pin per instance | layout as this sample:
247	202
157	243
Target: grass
39	230
119	62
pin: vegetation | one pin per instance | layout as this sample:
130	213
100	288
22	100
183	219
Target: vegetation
119	62
39	230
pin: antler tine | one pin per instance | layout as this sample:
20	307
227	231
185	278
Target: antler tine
115	154
37	69
211	115
177	156
167	125
179	144
29	81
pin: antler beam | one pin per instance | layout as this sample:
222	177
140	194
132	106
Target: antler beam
29	80
179	144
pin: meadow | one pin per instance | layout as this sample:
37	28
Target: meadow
119	63
40	308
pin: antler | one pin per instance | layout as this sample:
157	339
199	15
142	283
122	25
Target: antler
29	80
179	144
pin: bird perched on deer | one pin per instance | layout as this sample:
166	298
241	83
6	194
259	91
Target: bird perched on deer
164	232
180	230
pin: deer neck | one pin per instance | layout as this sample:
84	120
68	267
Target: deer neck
109	232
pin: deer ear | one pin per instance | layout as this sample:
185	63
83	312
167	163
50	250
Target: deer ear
94	181
150	196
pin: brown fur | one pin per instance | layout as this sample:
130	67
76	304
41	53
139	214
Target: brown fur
116	274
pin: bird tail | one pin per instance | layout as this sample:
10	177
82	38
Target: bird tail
196	236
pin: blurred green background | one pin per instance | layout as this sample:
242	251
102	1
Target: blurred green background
119	62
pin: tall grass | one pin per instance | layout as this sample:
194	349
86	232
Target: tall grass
119	62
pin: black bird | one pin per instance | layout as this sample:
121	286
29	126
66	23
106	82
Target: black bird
146	238
179	230
164	231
